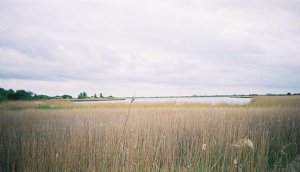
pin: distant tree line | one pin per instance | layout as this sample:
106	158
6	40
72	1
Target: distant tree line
10	94
15	95
83	95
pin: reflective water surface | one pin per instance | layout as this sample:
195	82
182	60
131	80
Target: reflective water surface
210	100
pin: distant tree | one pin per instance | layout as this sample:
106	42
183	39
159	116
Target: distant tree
288	94
3	94
95	95
101	95
66	96
23	95
82	95
11	95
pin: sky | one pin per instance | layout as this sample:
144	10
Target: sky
150	48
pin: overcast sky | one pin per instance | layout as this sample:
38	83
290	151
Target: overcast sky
150	47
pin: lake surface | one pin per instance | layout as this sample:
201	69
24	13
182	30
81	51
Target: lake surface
210	100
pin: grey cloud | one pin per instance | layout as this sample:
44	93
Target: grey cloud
194	43
33	47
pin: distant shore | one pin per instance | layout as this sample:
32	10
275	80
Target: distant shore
104	99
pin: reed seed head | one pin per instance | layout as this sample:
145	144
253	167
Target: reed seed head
244	143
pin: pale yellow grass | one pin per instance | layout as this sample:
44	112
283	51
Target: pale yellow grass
157	137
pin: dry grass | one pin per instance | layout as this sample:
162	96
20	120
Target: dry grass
276	101
61	136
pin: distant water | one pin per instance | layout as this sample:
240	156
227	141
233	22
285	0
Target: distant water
210	100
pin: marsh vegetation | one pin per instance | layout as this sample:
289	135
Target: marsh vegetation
59	135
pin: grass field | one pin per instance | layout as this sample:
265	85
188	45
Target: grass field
64	136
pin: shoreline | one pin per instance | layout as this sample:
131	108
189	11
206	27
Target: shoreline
96	100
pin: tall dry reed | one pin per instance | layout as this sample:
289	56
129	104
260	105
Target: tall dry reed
158	137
